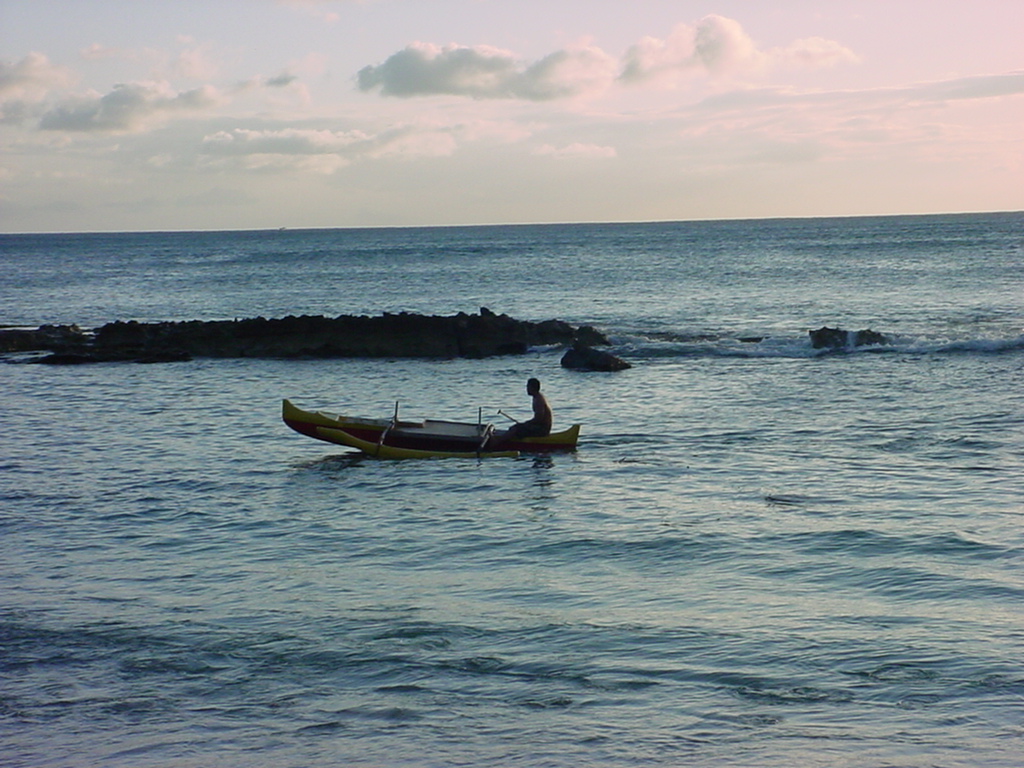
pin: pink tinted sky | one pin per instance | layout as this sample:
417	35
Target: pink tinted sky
222	114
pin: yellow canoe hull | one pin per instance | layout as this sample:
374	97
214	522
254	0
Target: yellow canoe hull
386	438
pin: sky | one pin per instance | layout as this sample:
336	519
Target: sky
124	115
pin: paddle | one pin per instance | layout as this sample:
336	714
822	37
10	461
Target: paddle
507	416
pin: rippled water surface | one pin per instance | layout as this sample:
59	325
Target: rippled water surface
760	555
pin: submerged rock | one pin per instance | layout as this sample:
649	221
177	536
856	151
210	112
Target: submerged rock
67	358
119	356
584	357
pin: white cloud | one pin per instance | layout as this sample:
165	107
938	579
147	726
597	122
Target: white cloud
980	87
32	78
719	46
411	142
196	61
288	150
722	46
576	150
652	57
858	102
290	141
295	149
315	8
281	80
927	121
422	69
127	107
568	73
716	46
814	53
99	52
26	84
483	72
324	164
144	62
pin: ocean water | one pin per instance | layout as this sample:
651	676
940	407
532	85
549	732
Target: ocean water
761	555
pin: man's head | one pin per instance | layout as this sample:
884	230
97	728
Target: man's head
532	386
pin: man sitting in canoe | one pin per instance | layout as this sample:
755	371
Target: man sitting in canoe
538	426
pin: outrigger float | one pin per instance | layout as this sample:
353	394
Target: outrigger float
396	438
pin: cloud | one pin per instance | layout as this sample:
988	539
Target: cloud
716	45
127	107
283	81
322	164
885	98
300	150
483	72
99	52
814	53
980	87
296	149
280	81
576	150
32	78
411	142
289	141
719	46
930	121
196	61
26	84
313	7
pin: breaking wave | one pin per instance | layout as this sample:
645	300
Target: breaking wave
667	345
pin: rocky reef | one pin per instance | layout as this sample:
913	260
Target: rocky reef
45	337
390	335
837	338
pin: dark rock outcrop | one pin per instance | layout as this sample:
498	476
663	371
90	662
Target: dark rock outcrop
837	338
586	358
44	337
390	335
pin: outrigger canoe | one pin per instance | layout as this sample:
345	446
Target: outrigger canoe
396	438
